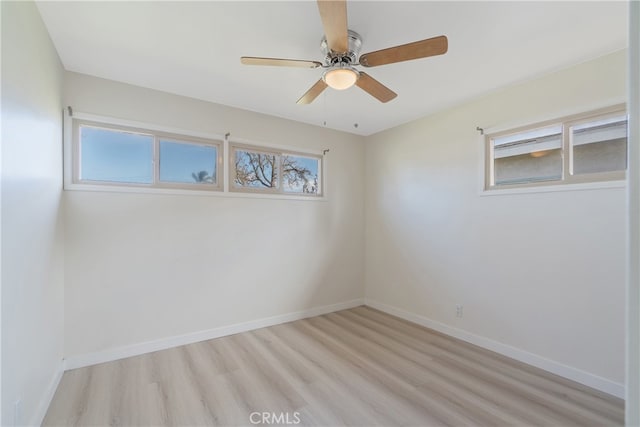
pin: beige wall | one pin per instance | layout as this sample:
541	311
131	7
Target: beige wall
543	273
540	272
32	233
143	267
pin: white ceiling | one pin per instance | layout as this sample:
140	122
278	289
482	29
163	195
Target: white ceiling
193	49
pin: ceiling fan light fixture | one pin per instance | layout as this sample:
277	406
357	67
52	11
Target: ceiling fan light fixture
340	78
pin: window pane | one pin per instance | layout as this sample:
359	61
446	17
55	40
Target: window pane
599	146
115	156
255	170
300	174
530	156
183	162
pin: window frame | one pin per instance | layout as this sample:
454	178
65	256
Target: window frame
567	176
279	152
157	135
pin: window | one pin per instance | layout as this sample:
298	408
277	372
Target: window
122	156
599	145
188	163
104	154
109	155
584	148
530	156
266	170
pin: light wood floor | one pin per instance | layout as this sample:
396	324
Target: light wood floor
354	367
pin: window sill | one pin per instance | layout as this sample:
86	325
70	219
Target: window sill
181	192
552	188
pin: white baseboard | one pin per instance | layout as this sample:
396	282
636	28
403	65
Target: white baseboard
43	406
577	375
79	361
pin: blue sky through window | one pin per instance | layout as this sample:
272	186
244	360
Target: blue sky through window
189	163
304	184
111	155
255	169
300	174
116	156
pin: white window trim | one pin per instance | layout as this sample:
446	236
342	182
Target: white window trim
157	136
69	185
568	182
597	185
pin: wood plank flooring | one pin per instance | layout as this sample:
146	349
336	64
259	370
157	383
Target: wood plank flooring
353	367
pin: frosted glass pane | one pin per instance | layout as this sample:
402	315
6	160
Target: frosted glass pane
599	146
530	156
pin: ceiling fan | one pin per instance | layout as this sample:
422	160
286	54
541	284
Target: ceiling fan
341	48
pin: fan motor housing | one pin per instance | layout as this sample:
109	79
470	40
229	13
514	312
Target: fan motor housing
346	58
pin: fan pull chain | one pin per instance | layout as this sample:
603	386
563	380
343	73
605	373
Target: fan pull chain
324	107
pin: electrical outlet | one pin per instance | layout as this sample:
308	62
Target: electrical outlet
458	310
17	412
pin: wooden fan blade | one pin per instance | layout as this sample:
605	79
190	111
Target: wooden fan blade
334	21
375	88
279	62
422	49
313	93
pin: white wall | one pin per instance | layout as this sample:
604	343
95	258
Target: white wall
632	407
543	273
32	233
142	267
540	272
